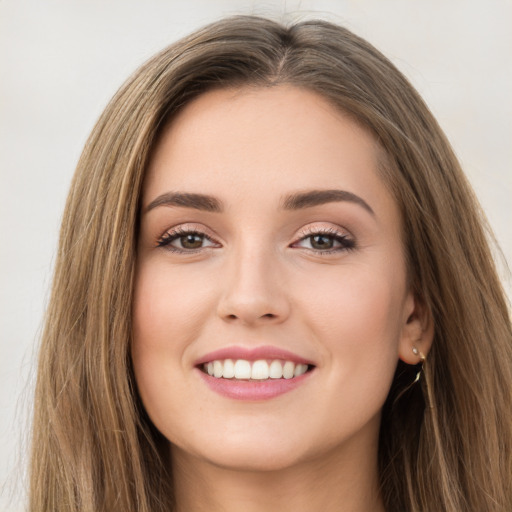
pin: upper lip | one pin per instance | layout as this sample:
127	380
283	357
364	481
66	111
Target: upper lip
252	354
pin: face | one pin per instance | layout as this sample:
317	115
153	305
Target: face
268	235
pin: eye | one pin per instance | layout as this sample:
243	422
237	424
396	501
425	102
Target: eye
185	240
325	241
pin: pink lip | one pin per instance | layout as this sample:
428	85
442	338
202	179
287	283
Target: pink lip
252	390
252	354
249	389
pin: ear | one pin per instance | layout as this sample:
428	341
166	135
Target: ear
417	330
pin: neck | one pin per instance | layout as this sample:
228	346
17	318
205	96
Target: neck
336	481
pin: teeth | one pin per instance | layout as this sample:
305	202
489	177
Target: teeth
288	370
217	369
229	369
300	369
242	369
257	370
276	370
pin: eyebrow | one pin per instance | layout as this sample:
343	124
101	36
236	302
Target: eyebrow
296	201
187	200
311	198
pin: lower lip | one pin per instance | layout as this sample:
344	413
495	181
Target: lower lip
252	390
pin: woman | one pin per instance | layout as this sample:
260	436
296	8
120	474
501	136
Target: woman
273	291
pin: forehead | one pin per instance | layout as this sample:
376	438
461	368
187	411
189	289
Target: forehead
254	144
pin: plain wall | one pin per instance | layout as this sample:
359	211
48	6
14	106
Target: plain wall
61	61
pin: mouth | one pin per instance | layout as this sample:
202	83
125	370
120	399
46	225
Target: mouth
254	374
259	370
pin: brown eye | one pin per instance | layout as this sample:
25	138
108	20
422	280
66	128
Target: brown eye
191	241
180	240
322	242
326	242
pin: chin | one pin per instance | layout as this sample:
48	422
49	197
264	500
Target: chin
252	460
256	451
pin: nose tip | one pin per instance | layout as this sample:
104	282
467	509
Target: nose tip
249	312
253	296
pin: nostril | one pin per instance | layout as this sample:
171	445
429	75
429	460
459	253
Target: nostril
267	315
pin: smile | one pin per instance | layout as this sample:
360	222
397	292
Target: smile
253	374
254	370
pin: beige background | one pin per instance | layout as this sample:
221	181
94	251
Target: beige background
61	60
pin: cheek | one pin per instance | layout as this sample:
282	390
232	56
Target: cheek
168	308
356	319
168	315
359	300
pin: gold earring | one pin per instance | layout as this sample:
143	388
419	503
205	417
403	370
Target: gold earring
429	399
416	352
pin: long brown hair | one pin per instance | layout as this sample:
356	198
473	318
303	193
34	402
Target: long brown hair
445	443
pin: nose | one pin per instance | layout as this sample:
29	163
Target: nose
253	292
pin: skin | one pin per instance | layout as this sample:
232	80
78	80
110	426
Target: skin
262	281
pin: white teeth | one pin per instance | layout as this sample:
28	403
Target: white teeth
229	369
276	370
257	370
288	370
217	369
242	369
300	369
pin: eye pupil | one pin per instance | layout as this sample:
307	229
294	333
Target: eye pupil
191	241
321	242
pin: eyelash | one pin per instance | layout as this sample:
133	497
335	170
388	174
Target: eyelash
346	243
167	238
